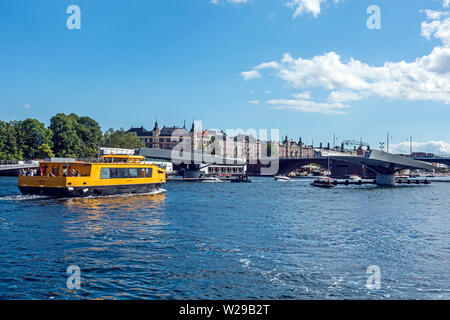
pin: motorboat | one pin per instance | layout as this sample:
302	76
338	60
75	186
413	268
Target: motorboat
282	178
238	179
324	182
210	179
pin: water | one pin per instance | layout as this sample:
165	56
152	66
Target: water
264	240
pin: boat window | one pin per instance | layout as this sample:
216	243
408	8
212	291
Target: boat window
114	173
133	172
120	173
104	173
55	171
123	173
141	172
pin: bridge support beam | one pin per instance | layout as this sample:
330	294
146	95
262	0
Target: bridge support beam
192	171
385	179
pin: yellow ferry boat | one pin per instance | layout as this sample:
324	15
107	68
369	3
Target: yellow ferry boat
114	174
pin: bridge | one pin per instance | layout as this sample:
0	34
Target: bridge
384	164
12	168
441	160
191	162
338	168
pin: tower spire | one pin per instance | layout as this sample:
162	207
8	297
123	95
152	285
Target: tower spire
156	128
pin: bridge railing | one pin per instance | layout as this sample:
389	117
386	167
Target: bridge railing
15	163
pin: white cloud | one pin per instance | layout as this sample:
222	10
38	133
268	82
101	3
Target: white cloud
437	25
426	78
308	106
253	101
344	96
248	75
302	95
432	15
436	147
301	7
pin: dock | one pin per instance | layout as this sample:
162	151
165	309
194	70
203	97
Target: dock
398	181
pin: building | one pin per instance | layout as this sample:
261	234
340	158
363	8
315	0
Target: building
165	138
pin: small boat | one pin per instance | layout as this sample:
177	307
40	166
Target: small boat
112	175
282	178
354	177
238	179
324	182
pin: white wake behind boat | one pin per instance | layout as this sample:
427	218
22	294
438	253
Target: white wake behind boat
282	178
211	179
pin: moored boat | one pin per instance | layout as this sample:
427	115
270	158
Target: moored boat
210	179
114	174
244	179
354	177
324	182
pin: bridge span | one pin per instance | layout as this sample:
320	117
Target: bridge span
12	168
384	164
441	160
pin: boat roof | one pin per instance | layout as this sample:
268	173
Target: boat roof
71	161
123	156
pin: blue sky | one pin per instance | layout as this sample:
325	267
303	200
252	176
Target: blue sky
312	74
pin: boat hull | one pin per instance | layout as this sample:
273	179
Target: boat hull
86	191
323	185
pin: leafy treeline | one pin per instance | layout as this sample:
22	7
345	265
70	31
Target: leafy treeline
67	136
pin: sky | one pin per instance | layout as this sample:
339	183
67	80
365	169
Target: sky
310	68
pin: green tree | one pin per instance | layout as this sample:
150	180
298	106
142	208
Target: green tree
45	151
8	143
66	142
121	139
33	138
90	134
75	136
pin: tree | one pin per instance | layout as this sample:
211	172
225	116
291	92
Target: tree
90	133
66	142
8	143
121	139
45	151
33	138
75	136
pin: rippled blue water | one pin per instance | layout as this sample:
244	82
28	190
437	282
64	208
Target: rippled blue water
264	240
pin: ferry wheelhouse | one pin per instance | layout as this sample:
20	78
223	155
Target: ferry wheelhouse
113	174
